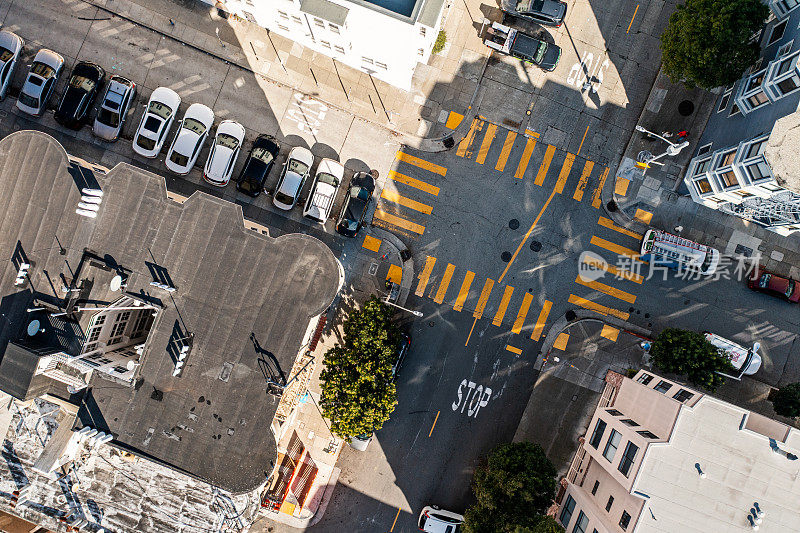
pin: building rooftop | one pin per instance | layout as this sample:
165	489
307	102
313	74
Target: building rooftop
245	299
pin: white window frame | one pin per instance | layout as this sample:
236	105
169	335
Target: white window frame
333	28
785	49
338	49
746	91
725	100
775	78
703	150
283	14
785	22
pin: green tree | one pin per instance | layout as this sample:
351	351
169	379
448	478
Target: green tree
686	352
546	524
358	392
707	43
786	400
512	490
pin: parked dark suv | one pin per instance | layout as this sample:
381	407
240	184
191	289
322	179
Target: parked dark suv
546	12
356	204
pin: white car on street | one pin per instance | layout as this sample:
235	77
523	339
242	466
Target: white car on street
10	47
192	134
435	520
323	192
224	152
295	173
156	121
40	82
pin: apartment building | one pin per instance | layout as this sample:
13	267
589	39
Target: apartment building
661	457
384	38
744	162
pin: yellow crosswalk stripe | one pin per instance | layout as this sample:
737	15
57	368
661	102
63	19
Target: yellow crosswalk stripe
488	137
501	311
421	163
607	289
587	171
371	243
466	142
399	222
453	120
602	309
506	151
614	271
564	174
541	321
514	349
425	275
464	291
596	201
523	312
484	297
530	144
561	341
413	182
621	187
394	196
644	216
608	223
545	166
616	248
609	332
448	275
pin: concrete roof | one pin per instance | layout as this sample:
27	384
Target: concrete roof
740	467
325	9
431	10
782	151
246	297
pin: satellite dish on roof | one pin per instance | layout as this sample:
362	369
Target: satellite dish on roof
33	327
116	283
131	364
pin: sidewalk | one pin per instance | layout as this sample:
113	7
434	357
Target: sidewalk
414	114
652	199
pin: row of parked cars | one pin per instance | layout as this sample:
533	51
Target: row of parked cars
88	80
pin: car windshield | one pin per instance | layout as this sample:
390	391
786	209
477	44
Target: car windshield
35	81
159	109
790	289
540	52
262	154
82	82
284	198
194	125
328	179
144	142
40	69
227	141
29	101
108	117
764	281
179	159
5	54
298	166
152	124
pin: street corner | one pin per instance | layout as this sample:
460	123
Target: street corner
586	349
382	264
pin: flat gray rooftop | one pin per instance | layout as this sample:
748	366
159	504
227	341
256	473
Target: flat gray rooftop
246	298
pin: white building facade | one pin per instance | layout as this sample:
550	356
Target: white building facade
384	38
733	170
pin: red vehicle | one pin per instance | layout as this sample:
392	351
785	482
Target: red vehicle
766	281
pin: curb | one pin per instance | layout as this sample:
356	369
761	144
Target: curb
425	144
405	258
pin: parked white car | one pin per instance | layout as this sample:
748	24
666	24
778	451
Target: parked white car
435	520
40	82
745	362
156	121
295	173
189	139
323	192
224	152
10	48
119	95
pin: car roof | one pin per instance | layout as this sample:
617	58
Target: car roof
49	58
302	154
200	112
265	141
231	127
331	167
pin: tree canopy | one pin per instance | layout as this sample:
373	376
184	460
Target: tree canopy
358	392
686	352
786	400
707	43
512	490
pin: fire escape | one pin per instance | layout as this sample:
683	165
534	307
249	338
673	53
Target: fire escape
780	209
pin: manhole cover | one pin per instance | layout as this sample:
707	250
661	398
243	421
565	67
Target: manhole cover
611	206
686	108
448	142
506	257
513	223
536	246
570	315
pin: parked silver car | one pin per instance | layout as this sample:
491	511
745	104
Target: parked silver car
117	100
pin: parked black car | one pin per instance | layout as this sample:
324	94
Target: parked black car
356	204
256	169
546	12
403	345
84	84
